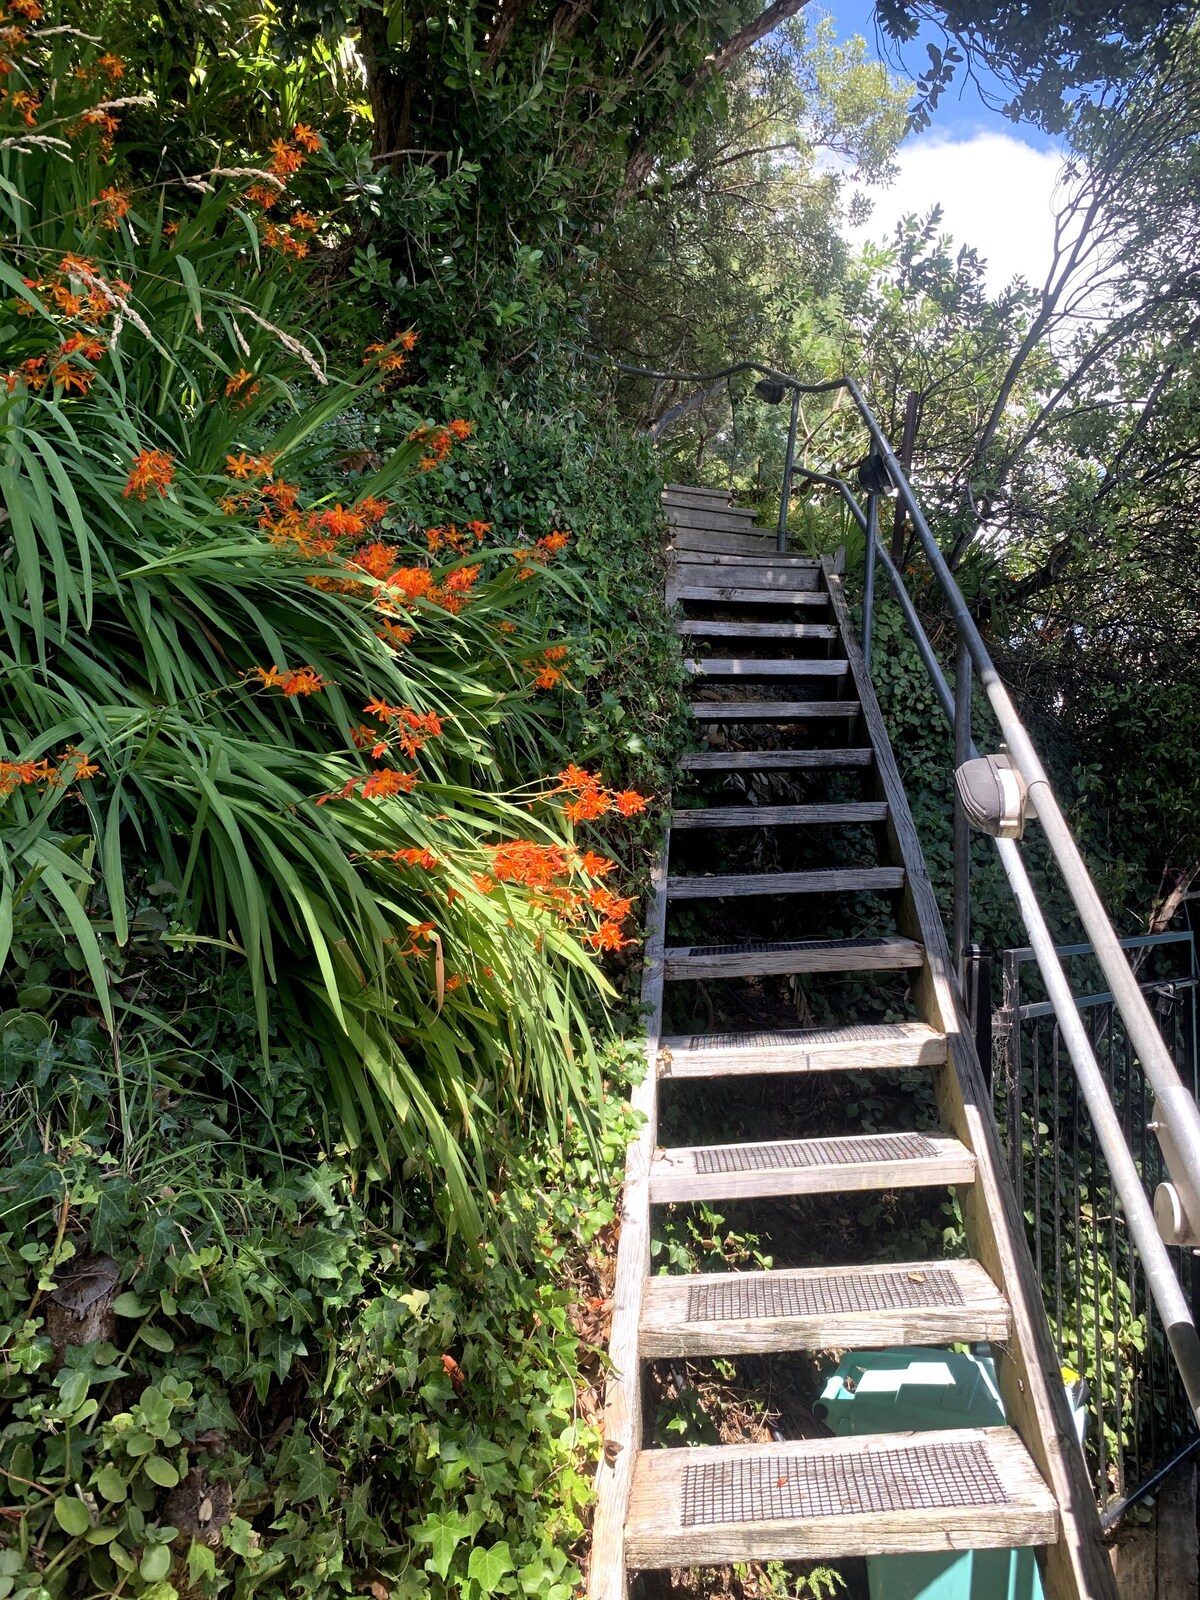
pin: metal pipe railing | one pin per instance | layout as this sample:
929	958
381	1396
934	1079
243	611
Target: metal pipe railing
1175	1107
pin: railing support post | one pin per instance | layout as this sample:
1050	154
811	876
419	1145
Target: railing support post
872	542
962	828
789	461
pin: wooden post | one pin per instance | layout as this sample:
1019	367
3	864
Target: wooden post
907	446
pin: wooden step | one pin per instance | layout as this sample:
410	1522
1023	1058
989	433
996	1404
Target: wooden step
771	710
777	561
773	760
781	667
706	628
861	1046
846	1165
821	1499
747	575
829	813
708	541
695	491
799	955
839	880
717	519
821	1308
741	594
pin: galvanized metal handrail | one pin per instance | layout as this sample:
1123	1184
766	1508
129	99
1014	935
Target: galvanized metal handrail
1175	1107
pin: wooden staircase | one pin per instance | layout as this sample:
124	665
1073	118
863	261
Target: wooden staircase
783	696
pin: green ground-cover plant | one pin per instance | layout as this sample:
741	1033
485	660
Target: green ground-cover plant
284	1386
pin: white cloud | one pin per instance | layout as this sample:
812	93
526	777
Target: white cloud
996	194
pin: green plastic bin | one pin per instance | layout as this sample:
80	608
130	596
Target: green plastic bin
893	1391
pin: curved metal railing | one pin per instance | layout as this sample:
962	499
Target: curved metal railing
1176	1117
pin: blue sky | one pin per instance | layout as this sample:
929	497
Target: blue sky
994	179
961	111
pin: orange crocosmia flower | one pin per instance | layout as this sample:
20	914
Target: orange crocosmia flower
412	582
523	861
416	858
238	380
587	808
596	866
68	377
31	10
381	709
283	494
376	558
606	937
85	767
629	802
284	159
361	736
372	510
303	681
483	883
151	469
608	904
554	542
556	652
306	137
241	466
262	194
385	782
478	529
341	523
460	429
116	206
396	636
111	66
547	678
26	106
303	221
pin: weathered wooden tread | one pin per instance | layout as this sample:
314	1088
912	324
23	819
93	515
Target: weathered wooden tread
715	519
707	628
692	491
735	561
737	594
836	880
831	812
768	579
799	955
844	1165
798	1050
771	710
773	760
821	1308
821	1499
709	541
778	667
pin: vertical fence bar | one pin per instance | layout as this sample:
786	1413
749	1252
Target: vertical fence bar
962	828
789	462
872	539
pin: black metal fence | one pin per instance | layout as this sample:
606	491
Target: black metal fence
1106	1328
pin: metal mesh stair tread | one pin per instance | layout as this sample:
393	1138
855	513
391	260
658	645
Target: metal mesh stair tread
833	880
798	955
885	1044
809	1166
821	1308
824	1498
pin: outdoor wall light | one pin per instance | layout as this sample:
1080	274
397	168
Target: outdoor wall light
994	796
770	390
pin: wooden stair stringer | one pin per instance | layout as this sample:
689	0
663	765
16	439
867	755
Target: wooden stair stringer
623	1390
1027	1370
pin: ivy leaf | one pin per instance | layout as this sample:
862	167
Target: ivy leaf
488	1566
442	1533
314	1256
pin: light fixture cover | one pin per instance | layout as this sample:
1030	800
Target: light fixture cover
994	796
770	390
